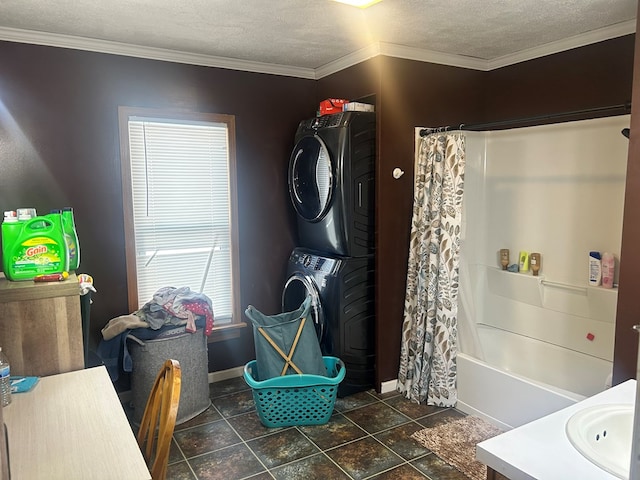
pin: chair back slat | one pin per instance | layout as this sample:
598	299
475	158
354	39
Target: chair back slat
159	419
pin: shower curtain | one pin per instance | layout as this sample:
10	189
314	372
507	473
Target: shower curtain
429	330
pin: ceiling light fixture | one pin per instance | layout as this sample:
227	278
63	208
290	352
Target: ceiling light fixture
358	3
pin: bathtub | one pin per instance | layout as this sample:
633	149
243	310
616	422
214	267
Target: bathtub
523	379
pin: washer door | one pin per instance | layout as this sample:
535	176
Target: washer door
311	178
296	289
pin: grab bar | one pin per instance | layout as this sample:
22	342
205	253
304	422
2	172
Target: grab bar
564	286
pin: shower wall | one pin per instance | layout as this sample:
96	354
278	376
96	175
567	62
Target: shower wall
557	190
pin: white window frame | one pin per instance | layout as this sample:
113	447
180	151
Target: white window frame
125	114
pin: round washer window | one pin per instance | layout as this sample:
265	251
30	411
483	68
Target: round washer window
296	289
310	178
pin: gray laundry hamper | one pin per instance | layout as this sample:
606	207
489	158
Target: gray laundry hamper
190	349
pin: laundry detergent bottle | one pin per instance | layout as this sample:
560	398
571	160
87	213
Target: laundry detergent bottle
71	238
34	247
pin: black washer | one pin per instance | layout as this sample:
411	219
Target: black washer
342	293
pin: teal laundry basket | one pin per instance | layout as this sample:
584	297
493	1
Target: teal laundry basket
296	399
286	343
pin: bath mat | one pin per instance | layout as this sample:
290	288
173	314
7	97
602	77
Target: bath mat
455	443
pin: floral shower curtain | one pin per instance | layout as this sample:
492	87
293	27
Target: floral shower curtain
429	330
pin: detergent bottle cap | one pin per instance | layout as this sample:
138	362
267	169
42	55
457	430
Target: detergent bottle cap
10	216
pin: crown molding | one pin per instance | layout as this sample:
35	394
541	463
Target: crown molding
151	53
581	40
373	50
429	56
399	51
347	61
474	63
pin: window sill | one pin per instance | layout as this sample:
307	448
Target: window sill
226	332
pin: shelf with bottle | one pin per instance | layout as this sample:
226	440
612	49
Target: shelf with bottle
597	303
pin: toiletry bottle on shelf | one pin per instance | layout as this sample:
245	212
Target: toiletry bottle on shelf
595	269
524	261
608	269
504	258
534	261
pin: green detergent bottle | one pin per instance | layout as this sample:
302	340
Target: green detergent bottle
34	247
71	238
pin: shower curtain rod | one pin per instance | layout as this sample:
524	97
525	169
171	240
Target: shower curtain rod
626	107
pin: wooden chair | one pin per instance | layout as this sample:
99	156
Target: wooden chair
159	419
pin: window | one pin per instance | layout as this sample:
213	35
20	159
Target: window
178	173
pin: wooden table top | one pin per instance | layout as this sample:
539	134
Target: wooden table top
72	426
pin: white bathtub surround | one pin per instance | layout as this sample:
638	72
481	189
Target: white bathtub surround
543	449
429	344
558	190
524	379
573	316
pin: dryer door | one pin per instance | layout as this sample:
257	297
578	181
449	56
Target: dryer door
311	178
296	289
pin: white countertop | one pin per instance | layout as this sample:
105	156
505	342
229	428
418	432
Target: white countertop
540	450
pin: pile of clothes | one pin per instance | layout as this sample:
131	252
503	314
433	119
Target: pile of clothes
172	311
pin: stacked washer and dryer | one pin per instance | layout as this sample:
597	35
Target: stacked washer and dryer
331	184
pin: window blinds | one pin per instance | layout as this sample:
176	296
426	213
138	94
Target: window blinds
181	209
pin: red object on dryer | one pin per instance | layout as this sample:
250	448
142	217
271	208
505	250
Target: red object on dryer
332	105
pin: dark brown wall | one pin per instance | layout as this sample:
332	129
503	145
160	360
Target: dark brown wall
411	94
353	83
407	94
59	146
626	341
592	76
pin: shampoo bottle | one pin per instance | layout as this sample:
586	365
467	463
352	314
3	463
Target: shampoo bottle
534	263
524	261
608	269
595	269
504	258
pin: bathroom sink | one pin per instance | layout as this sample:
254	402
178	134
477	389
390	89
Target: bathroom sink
603	434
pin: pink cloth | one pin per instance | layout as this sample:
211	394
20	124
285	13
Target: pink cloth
200	307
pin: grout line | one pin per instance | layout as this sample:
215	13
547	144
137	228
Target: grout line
184	458
324	451
245	443
375	399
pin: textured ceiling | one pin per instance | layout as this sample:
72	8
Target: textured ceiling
310	34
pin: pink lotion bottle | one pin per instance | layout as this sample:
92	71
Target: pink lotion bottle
608	269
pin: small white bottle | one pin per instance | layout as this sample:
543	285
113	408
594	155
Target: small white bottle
608	269
595	269
5	382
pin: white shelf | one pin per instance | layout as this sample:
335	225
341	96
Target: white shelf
597	303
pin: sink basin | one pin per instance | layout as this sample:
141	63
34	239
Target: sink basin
603	434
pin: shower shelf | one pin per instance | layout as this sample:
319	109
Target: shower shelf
597	303
541	279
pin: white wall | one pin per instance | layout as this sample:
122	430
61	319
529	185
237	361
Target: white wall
557	190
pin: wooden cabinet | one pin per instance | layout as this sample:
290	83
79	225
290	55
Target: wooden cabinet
41	326
493	475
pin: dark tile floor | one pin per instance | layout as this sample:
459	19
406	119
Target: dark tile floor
367	437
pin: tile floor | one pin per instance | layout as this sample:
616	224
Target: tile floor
368	437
